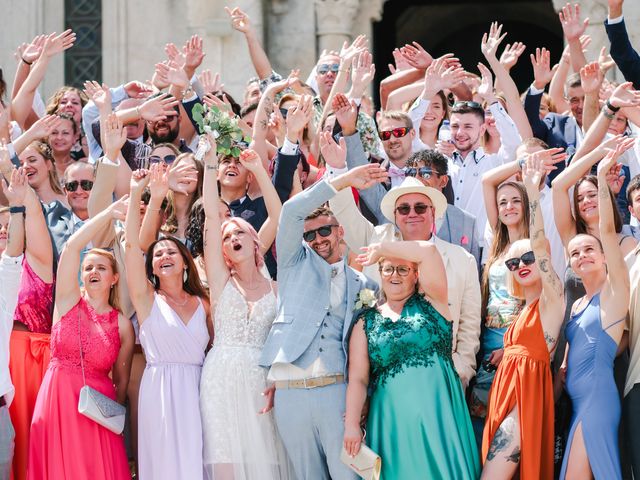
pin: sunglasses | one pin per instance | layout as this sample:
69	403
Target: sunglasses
324	68
424	172
527	258
72	186
168	159
419	208
396	132
467	104
389	270
324	231
284	112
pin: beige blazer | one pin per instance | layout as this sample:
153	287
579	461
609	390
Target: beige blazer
462	278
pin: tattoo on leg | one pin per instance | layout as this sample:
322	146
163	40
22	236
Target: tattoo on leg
515	456
500	441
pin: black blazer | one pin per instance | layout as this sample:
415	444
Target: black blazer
622	52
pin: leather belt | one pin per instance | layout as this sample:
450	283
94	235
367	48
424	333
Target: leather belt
308	383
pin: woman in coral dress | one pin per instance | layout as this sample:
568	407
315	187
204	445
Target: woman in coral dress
65	444
518	431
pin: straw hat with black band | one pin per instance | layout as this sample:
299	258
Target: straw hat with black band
412	185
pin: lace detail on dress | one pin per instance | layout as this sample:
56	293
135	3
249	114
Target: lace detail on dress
237	323
412	341
100	340
35	301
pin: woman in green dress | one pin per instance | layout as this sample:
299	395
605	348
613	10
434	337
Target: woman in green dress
418	421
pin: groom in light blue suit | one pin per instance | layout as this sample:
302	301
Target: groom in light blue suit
306	350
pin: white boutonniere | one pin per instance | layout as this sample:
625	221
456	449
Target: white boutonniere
365	298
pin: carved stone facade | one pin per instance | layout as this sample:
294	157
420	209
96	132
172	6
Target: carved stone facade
294	32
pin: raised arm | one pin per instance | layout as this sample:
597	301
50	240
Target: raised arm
616	291
573	27
241	22
53	45
67	286
433	276
140	289
15	193
215	266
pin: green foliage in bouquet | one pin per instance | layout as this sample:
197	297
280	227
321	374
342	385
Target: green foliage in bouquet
224	129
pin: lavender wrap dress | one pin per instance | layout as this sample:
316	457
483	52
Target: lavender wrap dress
170	428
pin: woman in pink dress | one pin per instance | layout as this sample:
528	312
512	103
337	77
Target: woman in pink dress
65	444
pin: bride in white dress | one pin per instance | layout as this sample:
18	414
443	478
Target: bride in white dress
240	437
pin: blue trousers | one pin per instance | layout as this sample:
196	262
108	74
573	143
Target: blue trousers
7	436
311	425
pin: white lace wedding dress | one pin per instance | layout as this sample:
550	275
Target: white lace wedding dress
239	442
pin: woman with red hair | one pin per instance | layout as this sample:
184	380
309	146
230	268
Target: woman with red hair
238	443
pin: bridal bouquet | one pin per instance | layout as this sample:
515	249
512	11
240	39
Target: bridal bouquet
224	128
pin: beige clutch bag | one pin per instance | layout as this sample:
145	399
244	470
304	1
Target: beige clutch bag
366	463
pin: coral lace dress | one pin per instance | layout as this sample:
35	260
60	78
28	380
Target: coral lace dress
65	444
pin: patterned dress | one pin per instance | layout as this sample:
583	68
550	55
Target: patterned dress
418	420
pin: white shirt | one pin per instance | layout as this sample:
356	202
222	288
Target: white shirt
466	174
10	270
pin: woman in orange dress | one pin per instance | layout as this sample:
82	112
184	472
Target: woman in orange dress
519	427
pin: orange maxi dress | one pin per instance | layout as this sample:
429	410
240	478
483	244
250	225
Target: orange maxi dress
524	380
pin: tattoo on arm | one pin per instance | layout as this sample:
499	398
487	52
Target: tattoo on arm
533	209
550	341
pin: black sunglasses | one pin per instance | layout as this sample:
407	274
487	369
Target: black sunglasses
323	231
396	132
168	159
72	186
284	112
527	258
419	208
324	68
468	104
424	172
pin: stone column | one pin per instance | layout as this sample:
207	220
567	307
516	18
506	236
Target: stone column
334	22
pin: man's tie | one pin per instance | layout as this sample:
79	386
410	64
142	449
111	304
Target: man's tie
395	172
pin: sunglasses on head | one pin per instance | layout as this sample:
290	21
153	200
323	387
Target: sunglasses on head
72	186
323	231
527	258
325	67
467	104
424	172
396	132
168	159
389	270
419	208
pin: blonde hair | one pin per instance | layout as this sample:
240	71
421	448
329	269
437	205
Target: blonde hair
516	249
114	298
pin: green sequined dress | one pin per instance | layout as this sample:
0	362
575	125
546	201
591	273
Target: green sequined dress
418	419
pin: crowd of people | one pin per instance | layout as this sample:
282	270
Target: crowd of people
451	279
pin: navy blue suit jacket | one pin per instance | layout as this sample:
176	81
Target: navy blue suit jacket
622	52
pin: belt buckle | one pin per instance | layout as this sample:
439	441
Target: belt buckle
304	383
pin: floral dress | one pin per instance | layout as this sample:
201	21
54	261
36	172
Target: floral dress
418	420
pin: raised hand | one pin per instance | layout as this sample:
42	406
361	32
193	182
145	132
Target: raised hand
370	254
181	174
139	181
348	52
439	76
173	72
240	21
118	209
55	44
17	189
113	135
5	158
346	113
193	53
159	79
541	163
485	90
250	160
362	72
591	77
212	100
615	8
135	89
334	154
299	116
159	181
210	82
158	108
401	63
542	72
100	94
32	51
208	142
605	60
625	96
491	41
572	25
416	56
361	177
511	54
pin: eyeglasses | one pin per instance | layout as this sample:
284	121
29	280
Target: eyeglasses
389	270
72	186
468	104
168	159
424	172
527	258
325	67
396	132
324	231
419	208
